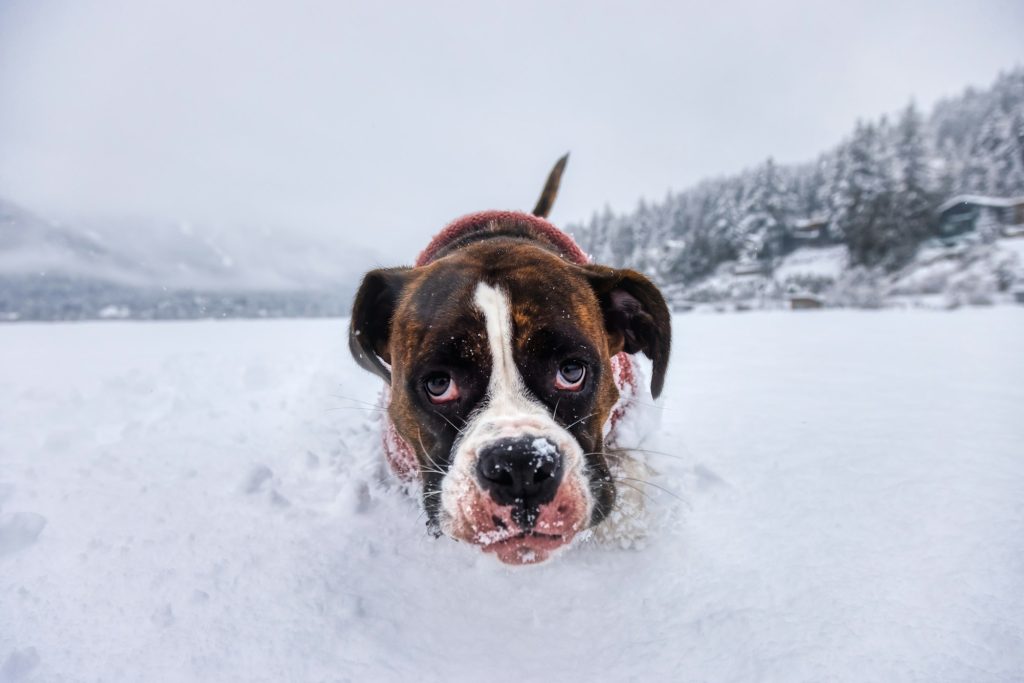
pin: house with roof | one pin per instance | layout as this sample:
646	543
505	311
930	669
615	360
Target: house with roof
807	232
965	214
750	266
804	301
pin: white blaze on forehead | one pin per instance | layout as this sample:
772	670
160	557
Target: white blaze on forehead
506	390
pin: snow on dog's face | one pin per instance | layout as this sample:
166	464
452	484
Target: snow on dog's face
498	356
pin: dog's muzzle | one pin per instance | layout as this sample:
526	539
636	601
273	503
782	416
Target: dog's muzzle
517	489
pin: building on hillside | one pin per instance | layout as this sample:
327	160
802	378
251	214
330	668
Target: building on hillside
966	214
807	232
803	301
750	267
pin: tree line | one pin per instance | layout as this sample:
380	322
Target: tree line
876	192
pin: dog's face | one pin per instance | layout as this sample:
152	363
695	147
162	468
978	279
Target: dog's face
498	356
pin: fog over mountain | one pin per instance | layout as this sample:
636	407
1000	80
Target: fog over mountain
152	269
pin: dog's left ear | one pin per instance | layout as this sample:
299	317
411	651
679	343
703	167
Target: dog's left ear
369	334
636	317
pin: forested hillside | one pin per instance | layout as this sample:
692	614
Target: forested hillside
875	194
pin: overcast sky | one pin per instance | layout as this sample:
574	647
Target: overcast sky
383	122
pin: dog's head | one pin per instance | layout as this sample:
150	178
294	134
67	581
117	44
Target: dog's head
498	354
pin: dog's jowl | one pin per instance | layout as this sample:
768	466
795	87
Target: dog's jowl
508	361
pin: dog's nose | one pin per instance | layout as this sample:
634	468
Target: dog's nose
521	471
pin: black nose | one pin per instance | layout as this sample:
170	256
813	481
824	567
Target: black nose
520	471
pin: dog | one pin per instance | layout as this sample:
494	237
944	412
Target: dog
507	358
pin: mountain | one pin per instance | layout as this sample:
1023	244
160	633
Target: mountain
148	269
853	227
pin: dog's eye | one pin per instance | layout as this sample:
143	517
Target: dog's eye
441	388
571	375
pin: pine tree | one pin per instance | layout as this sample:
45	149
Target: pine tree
837	195
913	199
723	220
1006	163
866	225
979	175
761	210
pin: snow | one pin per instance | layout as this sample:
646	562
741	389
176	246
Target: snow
980	200
543	447
838	498
827	262
1013	245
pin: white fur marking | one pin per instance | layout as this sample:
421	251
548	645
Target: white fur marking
506	393
508	411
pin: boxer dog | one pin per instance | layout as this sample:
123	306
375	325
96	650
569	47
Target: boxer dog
507	358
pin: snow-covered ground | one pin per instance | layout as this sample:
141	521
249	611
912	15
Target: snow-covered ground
968	272
203	502
821	262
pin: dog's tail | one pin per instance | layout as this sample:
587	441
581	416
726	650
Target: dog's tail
547	196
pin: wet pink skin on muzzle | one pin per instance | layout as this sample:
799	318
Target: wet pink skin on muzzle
483	522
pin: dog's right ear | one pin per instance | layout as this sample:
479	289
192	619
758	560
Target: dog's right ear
636	317
370	329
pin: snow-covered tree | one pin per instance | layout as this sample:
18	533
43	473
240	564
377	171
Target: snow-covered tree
761	210
912	196
877	190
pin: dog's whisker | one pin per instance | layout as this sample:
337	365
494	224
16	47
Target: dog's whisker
633	513
647	404
651	483
355	400
366	408
638	402
426	453
623	451
608	453
643	493
432	470
585	417
454	426
437	467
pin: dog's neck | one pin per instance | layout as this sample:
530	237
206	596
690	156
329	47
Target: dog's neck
486	225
